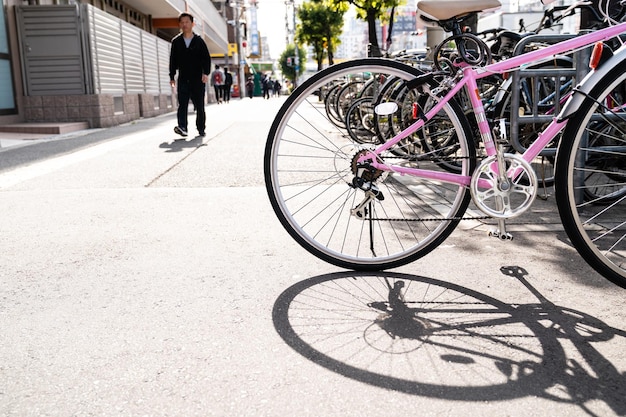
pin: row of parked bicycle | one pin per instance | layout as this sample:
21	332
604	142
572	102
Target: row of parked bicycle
371	164
524	102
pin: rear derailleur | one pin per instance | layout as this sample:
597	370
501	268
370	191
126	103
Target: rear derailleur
364	179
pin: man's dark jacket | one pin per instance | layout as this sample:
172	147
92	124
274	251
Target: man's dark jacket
190	62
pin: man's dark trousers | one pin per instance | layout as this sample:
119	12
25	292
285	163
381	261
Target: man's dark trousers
195	92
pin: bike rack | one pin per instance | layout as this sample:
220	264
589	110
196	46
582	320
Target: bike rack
577	72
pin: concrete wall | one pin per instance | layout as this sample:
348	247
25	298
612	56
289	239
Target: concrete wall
99	110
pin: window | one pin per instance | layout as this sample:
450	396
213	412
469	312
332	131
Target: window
118	105
7	95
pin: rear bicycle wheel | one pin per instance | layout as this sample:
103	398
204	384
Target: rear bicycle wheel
310	165
591	177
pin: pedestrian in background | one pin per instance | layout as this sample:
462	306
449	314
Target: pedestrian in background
250	87
228	82
277	88
189	57
217	81
265	86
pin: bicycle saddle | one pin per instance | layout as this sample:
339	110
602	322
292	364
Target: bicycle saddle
447	9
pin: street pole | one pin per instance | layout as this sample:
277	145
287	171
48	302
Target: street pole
241	62
295	44
287	40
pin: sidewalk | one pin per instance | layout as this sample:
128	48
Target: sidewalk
148	275
20	148
23	134
20	134
52	138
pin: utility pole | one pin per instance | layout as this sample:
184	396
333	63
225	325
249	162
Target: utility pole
295	44
287	40
290	37
236	22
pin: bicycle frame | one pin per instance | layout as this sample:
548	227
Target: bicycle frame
469	80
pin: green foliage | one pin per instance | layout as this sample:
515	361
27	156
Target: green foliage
286	61
370	11
319	27
379	7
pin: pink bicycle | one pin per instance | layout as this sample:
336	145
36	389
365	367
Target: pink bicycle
372	206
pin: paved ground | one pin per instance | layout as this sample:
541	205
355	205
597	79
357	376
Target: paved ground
141	275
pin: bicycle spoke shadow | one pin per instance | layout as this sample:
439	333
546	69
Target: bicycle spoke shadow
431	338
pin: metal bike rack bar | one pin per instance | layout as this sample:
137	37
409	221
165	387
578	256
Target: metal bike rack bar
530	79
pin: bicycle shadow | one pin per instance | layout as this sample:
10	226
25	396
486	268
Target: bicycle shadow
177	145
431	338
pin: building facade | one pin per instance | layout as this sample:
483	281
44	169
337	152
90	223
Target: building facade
104	62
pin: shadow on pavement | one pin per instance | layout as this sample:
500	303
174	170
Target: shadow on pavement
431	338
179	144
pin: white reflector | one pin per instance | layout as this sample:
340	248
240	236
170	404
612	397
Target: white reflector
387	108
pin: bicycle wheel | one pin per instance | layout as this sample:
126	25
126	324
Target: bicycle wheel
360	121
383	122
346	96
330	103
312	178
591	177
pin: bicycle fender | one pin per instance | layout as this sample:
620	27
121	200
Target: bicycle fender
587	84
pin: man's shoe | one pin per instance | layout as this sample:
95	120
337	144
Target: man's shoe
180	131
202	133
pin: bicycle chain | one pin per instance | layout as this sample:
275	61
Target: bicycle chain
433	158
430	158
431	219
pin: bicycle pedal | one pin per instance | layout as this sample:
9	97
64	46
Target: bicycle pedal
502	236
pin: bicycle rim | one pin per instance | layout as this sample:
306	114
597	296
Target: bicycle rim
591	178
310	165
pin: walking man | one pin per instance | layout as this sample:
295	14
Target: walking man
190	57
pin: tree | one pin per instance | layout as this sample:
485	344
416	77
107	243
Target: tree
287	62
320	26
370	11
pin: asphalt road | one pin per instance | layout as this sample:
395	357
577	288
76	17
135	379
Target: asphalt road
144	276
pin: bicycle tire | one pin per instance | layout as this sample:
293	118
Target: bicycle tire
341	102
329	105
360	121
309	168
383	122
387	126
594	158
413	144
